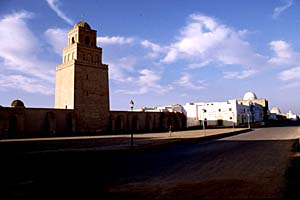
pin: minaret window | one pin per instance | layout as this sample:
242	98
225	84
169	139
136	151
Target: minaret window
87	40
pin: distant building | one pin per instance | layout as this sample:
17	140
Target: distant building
275	114
292	116
212	114
170	108
250	98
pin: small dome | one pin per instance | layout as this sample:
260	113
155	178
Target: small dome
82	24
17	104
275	110
250	96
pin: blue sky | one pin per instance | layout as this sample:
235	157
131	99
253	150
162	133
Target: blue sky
158	52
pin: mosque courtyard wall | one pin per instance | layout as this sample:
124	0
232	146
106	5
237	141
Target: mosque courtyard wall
36	122
47	122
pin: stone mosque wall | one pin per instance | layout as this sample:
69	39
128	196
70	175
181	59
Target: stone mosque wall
43	122
36	122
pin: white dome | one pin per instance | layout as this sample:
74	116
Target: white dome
275	110
250	96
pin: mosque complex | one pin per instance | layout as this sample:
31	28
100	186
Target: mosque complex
82	104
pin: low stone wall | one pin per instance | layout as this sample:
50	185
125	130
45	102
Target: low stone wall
124	121
43	122
36	122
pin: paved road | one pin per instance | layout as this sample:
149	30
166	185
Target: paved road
249	165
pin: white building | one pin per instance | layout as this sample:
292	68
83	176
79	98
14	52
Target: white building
233	112
274	113
291	116
170	108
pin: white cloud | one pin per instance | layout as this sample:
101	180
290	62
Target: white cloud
284	55
290	74
54	5
146	82
155	49
290	78
152	46
14	35
119	70
199	65
29	85
20	53
293	84
281	48
204	41
187	82
280	9
57	38
239	75
114	40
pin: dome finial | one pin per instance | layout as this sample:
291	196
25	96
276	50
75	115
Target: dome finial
82	24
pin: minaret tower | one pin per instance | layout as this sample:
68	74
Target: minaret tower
82	80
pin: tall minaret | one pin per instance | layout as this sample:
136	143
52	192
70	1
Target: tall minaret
82	80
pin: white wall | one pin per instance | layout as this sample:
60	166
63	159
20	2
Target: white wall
225	113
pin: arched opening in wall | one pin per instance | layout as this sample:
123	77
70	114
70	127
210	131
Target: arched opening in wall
220	122
180	121
134	125
149	123
119	123
169	122
51	123
12	127
175	123
154	123
98	59
71	126
89	57
73	40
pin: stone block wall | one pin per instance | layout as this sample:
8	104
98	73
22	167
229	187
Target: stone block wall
126	121
36	122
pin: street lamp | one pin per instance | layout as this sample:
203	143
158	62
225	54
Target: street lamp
131	104
248	120
233	120
203	122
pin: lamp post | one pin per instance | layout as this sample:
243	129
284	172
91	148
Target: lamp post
131	104
248	120
233	120
203	122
